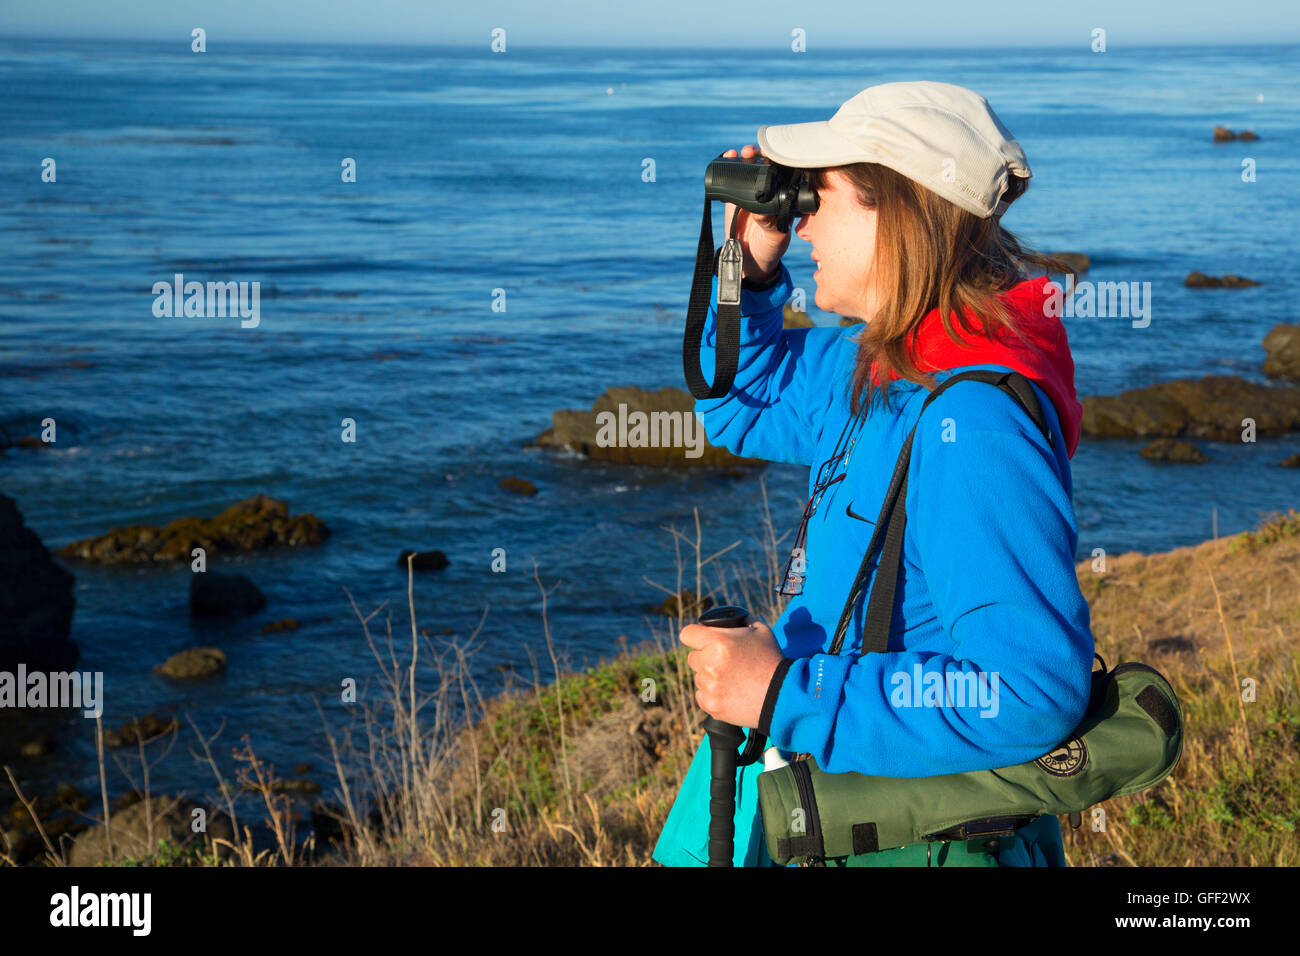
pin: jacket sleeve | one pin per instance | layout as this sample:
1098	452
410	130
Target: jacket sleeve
990	522
778	401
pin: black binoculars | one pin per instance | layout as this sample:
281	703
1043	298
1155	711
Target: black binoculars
761	186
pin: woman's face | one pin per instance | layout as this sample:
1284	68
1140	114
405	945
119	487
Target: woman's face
843	236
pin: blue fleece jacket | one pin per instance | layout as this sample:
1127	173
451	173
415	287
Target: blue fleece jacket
986	586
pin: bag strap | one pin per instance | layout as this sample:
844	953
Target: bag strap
892	521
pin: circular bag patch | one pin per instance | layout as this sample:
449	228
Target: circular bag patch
1065	760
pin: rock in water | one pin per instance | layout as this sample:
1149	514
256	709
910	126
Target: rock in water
1077	261
424	560
254	524
520	486
36	599
193	663
634	426
139	729
1212	407
284	624
1173	450
1199	280
214	594
42	746
1283	347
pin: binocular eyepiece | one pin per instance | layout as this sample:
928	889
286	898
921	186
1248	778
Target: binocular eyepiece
762	187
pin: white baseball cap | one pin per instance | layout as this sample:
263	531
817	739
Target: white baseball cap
945	137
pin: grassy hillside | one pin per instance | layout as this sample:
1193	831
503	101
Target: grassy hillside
583	771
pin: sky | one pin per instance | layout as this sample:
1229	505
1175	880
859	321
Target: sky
675	23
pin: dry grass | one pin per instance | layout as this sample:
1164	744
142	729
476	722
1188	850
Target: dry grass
1221	620
576	771
583	770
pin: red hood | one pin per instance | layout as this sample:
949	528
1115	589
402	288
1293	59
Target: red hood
1045	360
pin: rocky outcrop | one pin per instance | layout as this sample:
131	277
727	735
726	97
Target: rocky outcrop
135	831
139	729
1077	261
1283	347
193	663
255	524
1223	134
635	426
1199	280
1212	407
62	818
36	599
214	594
1174	450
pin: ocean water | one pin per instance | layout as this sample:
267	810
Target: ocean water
523	172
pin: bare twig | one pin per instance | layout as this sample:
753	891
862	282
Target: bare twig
31	811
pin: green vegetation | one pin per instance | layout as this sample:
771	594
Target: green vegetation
583	771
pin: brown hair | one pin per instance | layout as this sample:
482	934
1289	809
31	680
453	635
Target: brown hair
930	254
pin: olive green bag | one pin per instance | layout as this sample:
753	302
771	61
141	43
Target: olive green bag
1129	739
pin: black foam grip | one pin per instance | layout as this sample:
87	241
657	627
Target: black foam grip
724	739
724	742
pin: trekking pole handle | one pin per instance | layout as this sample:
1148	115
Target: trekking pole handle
724	742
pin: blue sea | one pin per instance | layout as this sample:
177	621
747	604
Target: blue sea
522	172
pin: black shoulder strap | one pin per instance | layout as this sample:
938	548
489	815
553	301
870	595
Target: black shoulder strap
892	520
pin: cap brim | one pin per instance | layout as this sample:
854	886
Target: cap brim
808	146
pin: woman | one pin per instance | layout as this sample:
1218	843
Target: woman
913	179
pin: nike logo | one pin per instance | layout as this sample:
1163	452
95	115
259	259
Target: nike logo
848	510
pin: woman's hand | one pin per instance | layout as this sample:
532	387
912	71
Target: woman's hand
733	668
762	243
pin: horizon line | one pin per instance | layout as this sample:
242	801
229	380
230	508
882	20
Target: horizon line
298	41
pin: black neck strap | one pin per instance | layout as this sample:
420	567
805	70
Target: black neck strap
727	349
